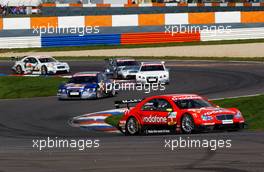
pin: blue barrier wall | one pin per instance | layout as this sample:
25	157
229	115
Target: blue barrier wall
69	40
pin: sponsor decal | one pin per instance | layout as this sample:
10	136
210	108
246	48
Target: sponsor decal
186	97
215	111
155	119
172	118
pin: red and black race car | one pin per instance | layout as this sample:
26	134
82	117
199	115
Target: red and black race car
185	113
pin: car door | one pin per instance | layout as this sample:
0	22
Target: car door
34	64
155	112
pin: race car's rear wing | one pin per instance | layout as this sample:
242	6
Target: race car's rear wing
118	103
16	58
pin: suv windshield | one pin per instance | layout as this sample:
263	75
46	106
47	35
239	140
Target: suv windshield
152	68
127	63
192	103
83	79
47	60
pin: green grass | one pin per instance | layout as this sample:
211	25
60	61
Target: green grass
252	109
130	46
26	87
113	120
93	58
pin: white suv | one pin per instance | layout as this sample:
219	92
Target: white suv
152	72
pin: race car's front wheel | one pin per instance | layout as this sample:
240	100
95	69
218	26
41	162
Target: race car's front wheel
132	127
19	70
187	124
44	70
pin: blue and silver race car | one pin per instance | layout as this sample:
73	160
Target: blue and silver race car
86	85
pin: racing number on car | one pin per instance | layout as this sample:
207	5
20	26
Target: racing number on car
172	118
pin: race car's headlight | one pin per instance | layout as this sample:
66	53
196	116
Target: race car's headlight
206	118
62	90
238	115
90	89
141	77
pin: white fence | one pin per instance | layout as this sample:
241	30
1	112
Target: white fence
233	34
20	42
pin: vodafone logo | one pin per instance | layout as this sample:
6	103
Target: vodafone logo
155	119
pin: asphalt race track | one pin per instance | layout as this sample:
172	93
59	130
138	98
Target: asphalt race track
26	119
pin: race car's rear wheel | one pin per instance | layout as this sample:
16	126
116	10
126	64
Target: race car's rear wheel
112	93
44	70
132	127
187	124
19	70
98	94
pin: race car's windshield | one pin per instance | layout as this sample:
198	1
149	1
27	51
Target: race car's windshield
192	103
83	79
127	63
152	68
47	60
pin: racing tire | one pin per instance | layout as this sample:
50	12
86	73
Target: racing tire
98	94
132	127
44	70
187	124
112	93
19	70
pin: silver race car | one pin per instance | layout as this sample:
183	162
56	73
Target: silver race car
43	65
122	68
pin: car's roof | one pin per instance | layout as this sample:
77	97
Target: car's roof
39	56
151	63
95	73
182	96
124	59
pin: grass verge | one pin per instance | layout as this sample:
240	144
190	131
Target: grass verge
98	47
252	109
26	87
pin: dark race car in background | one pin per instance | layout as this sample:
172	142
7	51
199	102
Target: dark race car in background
175	113
86	85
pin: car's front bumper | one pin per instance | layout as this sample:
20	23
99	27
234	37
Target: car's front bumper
219	126
82	95
146	80
56	70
